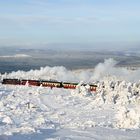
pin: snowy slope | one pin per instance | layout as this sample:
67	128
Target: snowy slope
113	112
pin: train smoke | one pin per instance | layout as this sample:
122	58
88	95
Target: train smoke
60	73
109	68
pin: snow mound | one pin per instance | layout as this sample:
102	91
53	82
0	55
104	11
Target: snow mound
128	118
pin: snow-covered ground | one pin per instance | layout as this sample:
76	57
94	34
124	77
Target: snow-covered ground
37	113
15	56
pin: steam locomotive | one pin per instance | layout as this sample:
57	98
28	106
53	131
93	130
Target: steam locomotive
46	83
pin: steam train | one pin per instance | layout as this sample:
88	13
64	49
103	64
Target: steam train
44	83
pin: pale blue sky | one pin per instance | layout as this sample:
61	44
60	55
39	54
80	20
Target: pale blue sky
34	22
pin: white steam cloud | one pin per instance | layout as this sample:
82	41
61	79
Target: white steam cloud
108	68
102	70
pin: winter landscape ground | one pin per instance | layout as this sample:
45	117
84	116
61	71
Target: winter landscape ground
37	113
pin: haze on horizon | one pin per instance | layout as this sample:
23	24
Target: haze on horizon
67	23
